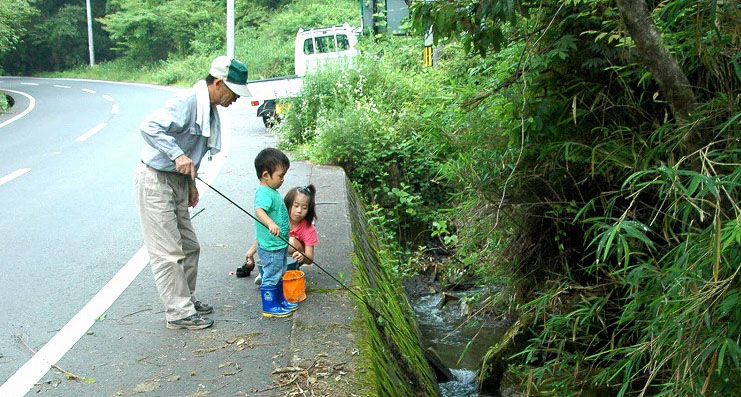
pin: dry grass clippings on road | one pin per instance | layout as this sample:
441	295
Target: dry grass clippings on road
322	378
239	342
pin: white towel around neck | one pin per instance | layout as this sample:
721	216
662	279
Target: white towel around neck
207	117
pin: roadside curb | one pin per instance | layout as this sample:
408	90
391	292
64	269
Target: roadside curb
324	345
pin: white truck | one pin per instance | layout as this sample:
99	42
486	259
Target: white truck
314	48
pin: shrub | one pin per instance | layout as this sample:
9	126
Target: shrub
365	120
4	105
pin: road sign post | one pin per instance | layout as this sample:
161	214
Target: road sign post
427	52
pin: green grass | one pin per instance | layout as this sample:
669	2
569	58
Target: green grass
4	105
180	72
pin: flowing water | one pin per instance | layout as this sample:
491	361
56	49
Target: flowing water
464	384
449	333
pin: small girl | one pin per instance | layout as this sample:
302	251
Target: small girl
300	202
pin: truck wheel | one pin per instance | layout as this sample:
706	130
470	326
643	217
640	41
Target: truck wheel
268	120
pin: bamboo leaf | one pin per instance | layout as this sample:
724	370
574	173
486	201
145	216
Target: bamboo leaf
721	355
733	119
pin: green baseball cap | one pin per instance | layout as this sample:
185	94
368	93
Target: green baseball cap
233	72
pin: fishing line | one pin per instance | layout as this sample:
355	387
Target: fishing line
291	245
197	212
375	313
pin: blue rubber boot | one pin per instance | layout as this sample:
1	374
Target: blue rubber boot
282	299
271	302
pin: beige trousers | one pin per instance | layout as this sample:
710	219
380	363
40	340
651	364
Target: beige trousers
171	242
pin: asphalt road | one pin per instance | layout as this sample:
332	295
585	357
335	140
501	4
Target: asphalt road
66	226
69	226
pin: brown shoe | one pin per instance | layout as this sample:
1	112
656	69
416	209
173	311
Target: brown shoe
191	322
202	308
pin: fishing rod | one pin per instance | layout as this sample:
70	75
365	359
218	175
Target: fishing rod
378	316
291	245
197	212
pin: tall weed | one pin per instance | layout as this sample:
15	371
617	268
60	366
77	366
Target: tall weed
366	120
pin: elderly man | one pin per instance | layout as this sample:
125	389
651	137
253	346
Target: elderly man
178	136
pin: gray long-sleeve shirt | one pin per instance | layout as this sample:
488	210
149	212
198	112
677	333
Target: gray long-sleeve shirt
172	130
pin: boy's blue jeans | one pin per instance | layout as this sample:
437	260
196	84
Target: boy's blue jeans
273	265
291	265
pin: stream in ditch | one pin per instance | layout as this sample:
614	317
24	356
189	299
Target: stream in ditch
447	327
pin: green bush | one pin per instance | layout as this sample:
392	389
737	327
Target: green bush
4	105
183	70
365	120
151	31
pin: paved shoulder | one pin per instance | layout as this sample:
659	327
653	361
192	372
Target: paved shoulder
325	349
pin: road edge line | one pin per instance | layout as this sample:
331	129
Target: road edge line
37	366
30	107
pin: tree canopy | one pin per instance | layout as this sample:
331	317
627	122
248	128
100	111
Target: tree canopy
14	16
48	35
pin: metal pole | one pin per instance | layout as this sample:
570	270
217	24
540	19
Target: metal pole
429	40
90	34
230	28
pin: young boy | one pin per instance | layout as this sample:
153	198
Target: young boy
272	231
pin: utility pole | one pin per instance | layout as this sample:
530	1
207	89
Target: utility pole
229	28
90	34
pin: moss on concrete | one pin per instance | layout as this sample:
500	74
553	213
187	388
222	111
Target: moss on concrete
396	356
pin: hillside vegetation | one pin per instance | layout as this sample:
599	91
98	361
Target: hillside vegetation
159	41
586	163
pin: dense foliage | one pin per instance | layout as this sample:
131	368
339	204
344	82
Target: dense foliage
16	14
48	35
159	41
566	170
344	121
152	30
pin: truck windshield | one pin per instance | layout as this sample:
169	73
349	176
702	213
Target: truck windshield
342	42
309	46
325	44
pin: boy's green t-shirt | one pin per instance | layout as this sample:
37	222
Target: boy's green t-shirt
272	203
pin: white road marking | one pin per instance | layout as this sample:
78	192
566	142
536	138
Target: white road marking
90	133
25	83
89	90
32	103
159	87
13	175
35	368
114	108
108	98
